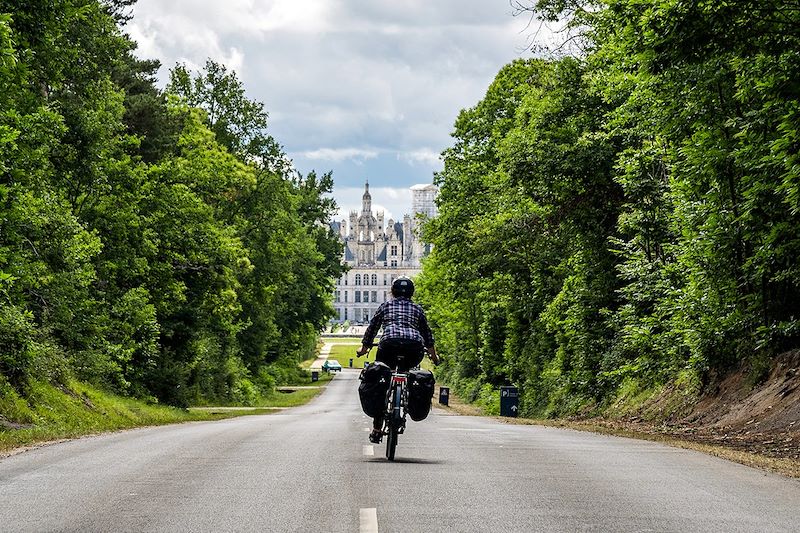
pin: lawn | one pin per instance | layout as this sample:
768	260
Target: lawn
344	352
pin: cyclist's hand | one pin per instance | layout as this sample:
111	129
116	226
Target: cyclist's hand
433	355
362	351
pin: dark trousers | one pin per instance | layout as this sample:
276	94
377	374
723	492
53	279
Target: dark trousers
401	355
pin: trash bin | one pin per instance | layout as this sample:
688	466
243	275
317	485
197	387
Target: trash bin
444	395
314	375
351	362
509	401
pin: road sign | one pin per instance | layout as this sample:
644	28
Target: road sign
509	401
444	395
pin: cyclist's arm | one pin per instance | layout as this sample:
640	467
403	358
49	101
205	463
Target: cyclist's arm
427	337
372	330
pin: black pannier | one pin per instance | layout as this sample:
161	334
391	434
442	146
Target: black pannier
420	392
375	380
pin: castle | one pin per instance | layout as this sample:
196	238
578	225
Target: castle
377	253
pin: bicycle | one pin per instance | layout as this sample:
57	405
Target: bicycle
394	416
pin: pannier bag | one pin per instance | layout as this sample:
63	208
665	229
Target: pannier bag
420	392
375	380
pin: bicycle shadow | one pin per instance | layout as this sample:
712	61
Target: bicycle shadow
407	460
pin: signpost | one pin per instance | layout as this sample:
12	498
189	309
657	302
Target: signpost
444	395
509	401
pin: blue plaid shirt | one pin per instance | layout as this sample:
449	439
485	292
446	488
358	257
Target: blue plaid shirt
401	319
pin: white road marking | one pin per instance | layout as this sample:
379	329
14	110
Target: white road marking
368	520
368	449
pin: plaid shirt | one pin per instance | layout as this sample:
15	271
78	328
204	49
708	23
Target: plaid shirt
401	319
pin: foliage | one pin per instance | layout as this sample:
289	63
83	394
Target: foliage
156	243
620	220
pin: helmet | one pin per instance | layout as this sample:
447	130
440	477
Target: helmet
403	287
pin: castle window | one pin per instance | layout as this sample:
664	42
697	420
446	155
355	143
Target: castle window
358	297
374	279
366	297
345	296
385	280
358	279
338	295
374	296
394	249
394	262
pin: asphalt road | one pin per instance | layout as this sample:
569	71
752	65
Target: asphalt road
308	469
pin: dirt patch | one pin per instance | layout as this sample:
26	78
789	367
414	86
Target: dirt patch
762	419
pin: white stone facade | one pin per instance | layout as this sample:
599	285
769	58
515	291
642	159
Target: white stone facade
376	254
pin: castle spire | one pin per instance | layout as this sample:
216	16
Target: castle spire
366	200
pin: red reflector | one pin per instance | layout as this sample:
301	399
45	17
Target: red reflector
399	379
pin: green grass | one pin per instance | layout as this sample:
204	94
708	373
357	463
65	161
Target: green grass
294	398
53	412
343	353
61	412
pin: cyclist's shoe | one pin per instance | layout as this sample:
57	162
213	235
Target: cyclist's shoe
375	436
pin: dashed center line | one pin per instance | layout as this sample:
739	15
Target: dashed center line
368	520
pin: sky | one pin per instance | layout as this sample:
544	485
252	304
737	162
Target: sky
367	89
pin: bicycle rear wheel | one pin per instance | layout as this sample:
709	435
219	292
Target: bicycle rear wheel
393	421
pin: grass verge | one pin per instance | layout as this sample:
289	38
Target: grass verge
58	412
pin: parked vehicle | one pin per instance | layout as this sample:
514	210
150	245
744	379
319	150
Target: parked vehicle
331	365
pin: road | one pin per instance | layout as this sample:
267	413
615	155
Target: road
309	469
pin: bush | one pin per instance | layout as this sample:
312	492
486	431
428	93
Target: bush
16	338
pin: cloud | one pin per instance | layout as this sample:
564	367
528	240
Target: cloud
349	83
339	154
393	201
423	155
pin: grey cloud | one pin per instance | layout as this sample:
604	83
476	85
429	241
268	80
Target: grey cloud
358	75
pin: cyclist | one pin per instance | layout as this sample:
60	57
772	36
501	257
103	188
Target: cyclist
406	336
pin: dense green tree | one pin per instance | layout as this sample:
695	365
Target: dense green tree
157	243
629	219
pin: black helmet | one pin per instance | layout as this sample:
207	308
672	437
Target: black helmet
402	287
